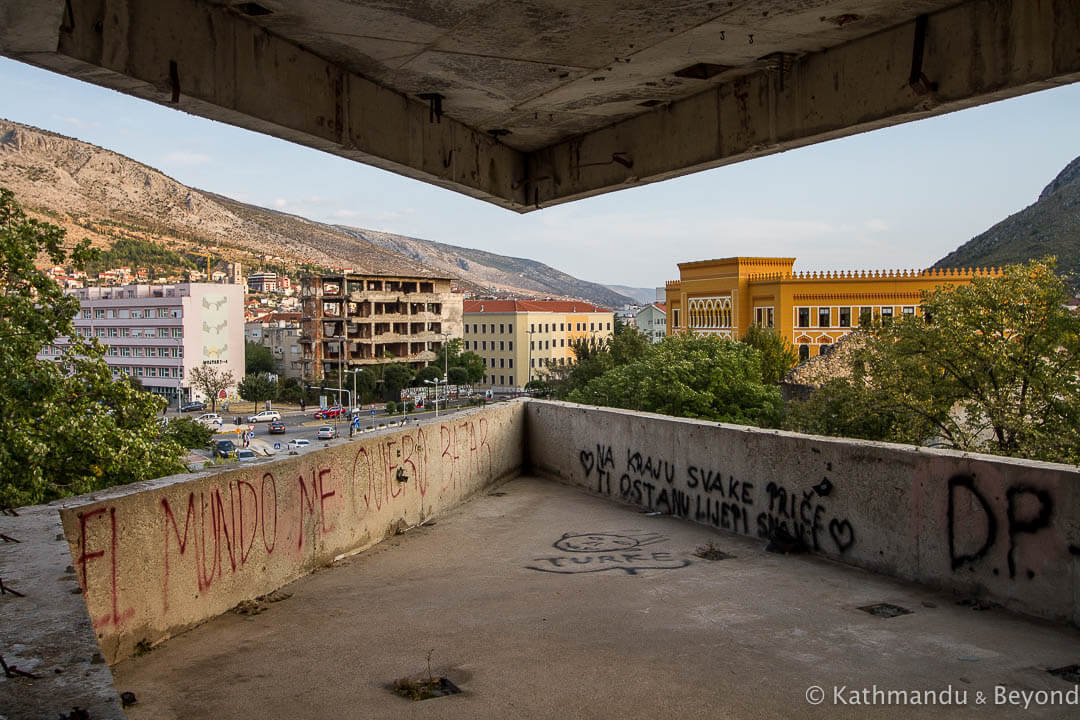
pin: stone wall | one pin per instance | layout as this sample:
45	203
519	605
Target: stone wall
158	557
989	528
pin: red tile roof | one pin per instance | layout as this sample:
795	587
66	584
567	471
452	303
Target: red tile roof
556	306
661	306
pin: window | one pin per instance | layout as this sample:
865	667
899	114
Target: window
824	315
492	361
562	342
511	379
804	353
99	314
138	372
474	328
511	328
886	314
502	379
502	328
110	313
510	345
562	327
466	328
502	363
101	332
483	345
136	314
510	364
163	312
139	352
547	344
125	332
151	372
163	332
111	352
845	317
86	314
675	317
532	344
112	332
547	328
592	327
532	362
532	327
865	316
908	310
502	345
125	352
178	332
803	318
492	380
609	326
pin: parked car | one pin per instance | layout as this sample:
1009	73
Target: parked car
326	432
193	406
330	412
276	427
245	455
210	419
224	448
299	443
265	416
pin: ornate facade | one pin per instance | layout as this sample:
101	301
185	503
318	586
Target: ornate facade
811	309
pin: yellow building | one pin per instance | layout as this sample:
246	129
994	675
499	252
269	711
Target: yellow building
811	309
517	338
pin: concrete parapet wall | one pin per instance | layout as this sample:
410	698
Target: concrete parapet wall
158	557
998	529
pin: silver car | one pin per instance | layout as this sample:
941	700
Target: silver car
326	432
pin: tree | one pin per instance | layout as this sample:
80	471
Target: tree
69	427
458	376
210	381
258	359
991	367
365	384
427	373
396	377
777	354
450	355
258	387
189	433
687	376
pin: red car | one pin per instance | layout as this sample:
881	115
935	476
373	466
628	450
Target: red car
330	412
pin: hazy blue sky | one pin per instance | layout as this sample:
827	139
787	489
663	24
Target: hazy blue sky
896	198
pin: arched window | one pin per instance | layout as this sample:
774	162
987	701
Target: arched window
804	353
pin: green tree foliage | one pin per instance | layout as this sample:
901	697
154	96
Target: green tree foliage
257	388
69	427
366	382
777	354
427	373
688	376
210	381
396	377
474	366
258	359
134	253
458	376
993	368
189	433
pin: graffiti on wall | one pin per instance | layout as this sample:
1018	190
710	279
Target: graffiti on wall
714	497
602	551
228	525
981	525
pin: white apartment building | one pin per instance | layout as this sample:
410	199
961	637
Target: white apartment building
158	333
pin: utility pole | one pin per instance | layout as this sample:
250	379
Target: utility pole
340	362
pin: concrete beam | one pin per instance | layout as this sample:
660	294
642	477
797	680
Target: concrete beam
210	61
975	53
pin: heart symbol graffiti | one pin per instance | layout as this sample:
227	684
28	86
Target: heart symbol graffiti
842	534
587	461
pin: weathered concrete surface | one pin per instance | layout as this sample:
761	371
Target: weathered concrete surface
156	558
1005	530
47	631
531	106
485	592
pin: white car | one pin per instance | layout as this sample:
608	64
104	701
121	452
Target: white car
299	443
246	455
326	432
265	416
212	419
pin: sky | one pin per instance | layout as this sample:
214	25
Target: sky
896	198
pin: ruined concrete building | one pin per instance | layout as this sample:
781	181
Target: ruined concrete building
363	320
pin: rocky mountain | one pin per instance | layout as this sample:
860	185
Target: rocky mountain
1049	226
105	196
643	296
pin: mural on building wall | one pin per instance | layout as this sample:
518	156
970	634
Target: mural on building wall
214	329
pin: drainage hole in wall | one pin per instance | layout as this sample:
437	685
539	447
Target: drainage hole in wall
885	610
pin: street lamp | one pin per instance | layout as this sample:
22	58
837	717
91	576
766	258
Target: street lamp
435	382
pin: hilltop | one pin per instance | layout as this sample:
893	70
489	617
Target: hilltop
104	196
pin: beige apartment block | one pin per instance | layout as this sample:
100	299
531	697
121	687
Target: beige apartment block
351	321
518	338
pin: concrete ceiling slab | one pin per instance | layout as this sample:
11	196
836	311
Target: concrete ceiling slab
500	100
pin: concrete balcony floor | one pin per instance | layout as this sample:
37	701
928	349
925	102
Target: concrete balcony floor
510	612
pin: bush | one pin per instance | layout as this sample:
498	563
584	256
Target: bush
391	407
188	433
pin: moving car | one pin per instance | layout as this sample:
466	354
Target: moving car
264	416
224	448
209	419
246	455
276	427
193	406
299	443
326	432
330	412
